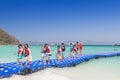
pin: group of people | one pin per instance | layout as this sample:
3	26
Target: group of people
46	52
60	52
74	49
24	52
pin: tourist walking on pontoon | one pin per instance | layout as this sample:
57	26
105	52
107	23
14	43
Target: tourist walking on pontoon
27	54
20	54
59	55
81	47
43	53
63	50
71	49
48	52
77	46
75	51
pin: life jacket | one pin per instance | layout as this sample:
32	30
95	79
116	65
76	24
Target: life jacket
77	46
59	51
27	51
19	51
48	49
75	49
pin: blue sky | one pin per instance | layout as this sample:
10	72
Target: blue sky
61	20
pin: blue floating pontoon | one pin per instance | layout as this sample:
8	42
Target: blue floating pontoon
8	69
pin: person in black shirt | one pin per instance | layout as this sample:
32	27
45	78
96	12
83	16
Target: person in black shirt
63	50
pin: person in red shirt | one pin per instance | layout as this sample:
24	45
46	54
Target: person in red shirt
20	54
27	54
48	54
81	47
75	51
59	56
77	46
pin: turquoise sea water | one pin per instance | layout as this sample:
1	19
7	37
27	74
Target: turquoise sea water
100	69
7	52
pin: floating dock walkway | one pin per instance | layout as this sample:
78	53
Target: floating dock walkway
9	69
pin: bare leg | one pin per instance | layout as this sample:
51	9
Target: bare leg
48	59
44	60
75	54
20	62
70	54
28	62
57	58
81	52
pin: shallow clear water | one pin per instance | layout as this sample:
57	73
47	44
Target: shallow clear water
7	52
100	69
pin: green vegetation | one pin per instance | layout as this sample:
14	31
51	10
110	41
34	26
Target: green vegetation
5	38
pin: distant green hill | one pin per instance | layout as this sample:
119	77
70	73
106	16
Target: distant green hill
5	38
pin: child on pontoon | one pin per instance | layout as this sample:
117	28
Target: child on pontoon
20	54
